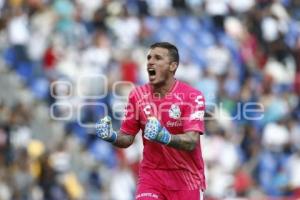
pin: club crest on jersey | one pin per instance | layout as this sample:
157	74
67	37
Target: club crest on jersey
174	112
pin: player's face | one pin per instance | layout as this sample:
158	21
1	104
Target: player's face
159	66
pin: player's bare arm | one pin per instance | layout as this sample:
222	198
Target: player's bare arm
123	140
186	141
155	131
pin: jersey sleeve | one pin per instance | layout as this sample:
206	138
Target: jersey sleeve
194	113
130	124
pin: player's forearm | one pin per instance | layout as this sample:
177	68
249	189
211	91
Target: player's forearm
123	140
187	141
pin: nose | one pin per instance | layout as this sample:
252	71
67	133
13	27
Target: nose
150	62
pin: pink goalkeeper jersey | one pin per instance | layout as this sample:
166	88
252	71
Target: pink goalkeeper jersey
181	110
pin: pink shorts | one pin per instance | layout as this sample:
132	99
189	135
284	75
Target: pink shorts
152	193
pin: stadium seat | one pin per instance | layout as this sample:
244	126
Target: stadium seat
103	152
25	70
9	57
40	88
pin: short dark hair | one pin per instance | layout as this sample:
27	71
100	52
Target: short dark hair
173	51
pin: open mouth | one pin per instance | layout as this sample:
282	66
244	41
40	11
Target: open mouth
151	72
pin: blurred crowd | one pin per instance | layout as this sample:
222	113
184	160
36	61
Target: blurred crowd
66	63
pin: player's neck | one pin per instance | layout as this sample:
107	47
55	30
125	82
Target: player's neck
163	89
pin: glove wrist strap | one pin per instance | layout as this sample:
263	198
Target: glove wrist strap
113	137
165	136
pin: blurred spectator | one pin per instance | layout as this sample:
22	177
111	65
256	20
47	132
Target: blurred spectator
159	8
95	59
218	10
293	166
123	183
220	177
296	54
5	188
65	10
196	6
275	137
42	23
129	69
210	87
99	17
90	8
242	183
241	7
188	67
126	28
293	8
5	146
18	35
143	8
218	59
50	60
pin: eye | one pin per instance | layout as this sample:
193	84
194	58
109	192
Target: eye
157	57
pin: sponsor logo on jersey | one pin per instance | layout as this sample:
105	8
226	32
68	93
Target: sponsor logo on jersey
174	112
174	124
198	115
199	100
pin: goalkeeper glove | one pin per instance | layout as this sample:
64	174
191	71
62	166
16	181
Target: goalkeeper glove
156	132
105	131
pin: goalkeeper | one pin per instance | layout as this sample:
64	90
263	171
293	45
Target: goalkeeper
170	113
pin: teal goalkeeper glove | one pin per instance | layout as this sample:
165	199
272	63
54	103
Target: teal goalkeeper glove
105	131
154	131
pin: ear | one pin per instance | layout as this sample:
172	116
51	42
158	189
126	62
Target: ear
173	67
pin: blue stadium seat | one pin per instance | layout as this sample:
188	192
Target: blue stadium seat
9	57
25	71
198	56
40	88
164	35
191	24
186	38
170	23
272	175
78	131
103	152
293	34
205	39
207	24
151	23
